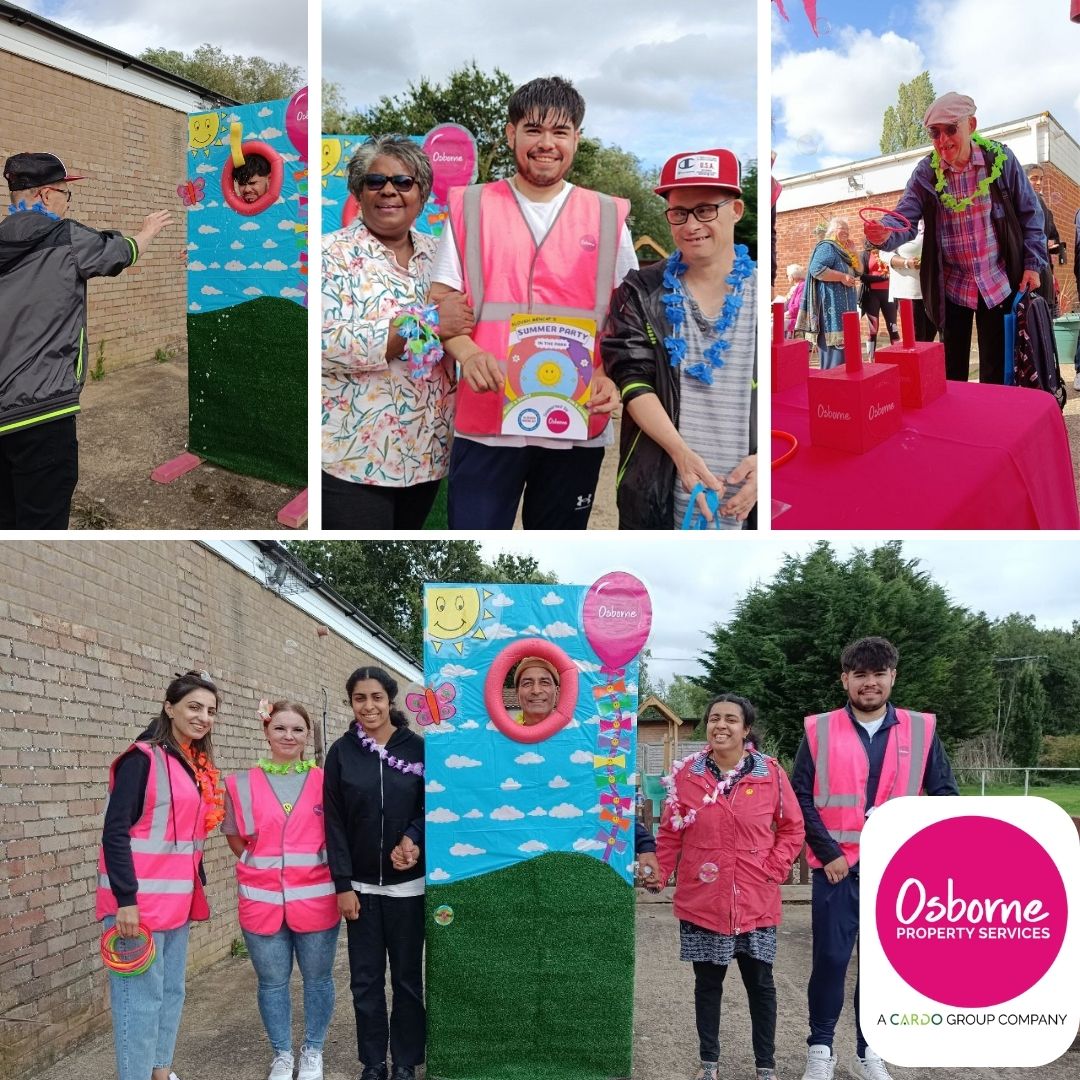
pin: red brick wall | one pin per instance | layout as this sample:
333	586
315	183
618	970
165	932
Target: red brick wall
91	632
133	153
795	228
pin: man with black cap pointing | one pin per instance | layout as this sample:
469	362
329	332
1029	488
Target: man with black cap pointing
46	259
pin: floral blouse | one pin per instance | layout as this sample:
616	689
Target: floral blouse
379	424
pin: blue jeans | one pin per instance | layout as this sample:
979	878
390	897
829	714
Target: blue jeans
146	1008
272	957
834	921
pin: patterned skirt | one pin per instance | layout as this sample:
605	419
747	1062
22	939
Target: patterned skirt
708	947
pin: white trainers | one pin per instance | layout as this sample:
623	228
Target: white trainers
282	1066
820	1063
310	1064
1076	381
871	1067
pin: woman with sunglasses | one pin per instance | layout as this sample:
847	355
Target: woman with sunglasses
388	391
165	797
680	345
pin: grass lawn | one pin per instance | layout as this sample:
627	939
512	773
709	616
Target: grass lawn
1067	796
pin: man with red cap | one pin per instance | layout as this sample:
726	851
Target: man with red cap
680	344
983	240
46	259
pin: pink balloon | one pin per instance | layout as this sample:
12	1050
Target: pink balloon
452	151
617	617
296	121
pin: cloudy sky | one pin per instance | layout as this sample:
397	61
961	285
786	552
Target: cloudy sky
274	29
691	594
831	92
656	78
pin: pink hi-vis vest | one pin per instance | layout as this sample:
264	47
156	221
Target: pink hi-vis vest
166	846
282	874
571	273
842	768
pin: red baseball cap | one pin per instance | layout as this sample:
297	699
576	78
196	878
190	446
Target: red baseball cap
701	168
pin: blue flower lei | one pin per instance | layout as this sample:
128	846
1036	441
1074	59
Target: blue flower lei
36	208
675	310
419	326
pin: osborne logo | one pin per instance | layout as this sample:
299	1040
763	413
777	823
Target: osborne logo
825	413
439	157
880	410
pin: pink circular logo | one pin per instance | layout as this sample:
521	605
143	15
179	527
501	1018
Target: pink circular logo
558	421
588	243
971	912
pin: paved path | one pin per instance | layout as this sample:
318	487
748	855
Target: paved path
222	1038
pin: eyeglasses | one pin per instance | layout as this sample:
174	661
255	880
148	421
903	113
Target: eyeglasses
678	215
376	181
938	130
66	192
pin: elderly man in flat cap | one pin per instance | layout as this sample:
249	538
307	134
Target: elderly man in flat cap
537	684
984	238
46	259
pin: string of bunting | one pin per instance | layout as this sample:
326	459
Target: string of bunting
613	704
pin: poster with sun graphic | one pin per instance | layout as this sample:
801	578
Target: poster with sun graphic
245	199
529	840
548	376
450	148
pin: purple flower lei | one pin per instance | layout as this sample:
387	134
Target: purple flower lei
405	767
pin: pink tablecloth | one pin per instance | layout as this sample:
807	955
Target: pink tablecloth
980	457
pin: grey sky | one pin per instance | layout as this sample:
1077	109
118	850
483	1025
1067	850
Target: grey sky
657	79
273	29
695	580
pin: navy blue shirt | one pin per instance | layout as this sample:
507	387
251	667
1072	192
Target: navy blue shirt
938	779
644	841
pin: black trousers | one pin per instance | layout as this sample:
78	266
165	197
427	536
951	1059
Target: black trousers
389	926
348	505
486	484
956	335
757	977
39	468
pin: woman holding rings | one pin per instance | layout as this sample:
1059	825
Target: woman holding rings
274	824
164	799
732	823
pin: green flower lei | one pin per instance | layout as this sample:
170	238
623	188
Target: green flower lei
282	768
950	202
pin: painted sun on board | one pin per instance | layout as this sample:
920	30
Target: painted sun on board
455	614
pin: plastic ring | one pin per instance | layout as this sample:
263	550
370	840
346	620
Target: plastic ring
128	962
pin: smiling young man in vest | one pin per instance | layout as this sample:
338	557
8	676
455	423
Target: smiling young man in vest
844	768
533	244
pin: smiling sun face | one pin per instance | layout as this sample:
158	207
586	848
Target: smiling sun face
548	374
203	129
453	613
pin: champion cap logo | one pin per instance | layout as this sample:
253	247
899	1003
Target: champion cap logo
699	166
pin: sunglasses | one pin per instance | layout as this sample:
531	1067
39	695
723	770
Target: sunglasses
938	130
376	181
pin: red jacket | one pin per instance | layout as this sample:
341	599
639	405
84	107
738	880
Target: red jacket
752	836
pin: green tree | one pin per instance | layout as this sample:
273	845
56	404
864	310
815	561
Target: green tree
902	127
470	97
385	578
746	227
242	78
335	108
781	648
1023	708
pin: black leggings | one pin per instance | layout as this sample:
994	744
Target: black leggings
757	977
359	507
875	303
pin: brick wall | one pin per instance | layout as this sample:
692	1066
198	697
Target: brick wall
133	153
795	228
91	632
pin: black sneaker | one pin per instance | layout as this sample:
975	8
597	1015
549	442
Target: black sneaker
403	1072
374	1072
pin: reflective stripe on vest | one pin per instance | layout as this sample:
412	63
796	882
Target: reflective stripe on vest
155	885
282	876
842	769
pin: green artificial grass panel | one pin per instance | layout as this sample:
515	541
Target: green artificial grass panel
247	389
437	517
534	977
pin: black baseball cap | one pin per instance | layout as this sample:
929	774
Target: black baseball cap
25	171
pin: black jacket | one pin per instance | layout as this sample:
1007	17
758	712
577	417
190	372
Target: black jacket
369	807
636	360
124	808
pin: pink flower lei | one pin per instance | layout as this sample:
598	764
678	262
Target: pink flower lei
405	767
678	819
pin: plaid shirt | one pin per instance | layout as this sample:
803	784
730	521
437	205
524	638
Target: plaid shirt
969	245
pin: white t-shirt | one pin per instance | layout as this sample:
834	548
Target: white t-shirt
539	216
872	727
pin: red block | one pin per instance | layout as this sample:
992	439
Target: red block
293	515
175	468
922	371
790	364
854	412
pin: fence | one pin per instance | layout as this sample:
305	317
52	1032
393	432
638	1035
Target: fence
982	772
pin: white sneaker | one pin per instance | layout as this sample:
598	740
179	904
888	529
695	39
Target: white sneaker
820	1063
282	1066
1076	381
871	1067
310	1064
